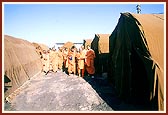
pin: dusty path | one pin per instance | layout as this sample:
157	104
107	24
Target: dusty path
57	92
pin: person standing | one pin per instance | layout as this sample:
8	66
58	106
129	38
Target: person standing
65	60
46	62
54	60
50	52
81	61
39	51
90	55
60	58
71	61
78	62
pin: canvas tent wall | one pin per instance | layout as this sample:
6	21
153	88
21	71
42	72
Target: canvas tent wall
87	42
21	62
100	45
68	45
137	58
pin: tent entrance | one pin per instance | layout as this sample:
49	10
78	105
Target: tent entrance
140	84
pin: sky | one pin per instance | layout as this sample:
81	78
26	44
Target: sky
57	23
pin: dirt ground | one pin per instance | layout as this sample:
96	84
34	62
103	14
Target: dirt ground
60	92
56	92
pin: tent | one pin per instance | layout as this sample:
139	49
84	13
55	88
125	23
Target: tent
68	45
87	42
137	59
40	48
100	45
21	62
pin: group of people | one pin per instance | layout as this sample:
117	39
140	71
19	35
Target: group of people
71	61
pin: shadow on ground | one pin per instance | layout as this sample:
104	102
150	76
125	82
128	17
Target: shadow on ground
107	92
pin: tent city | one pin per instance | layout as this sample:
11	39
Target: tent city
55	60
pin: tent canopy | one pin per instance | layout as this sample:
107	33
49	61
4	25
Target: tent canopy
137	58
42	46
68	45
87	42
21	62
101	43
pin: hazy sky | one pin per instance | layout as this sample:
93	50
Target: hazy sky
51	23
